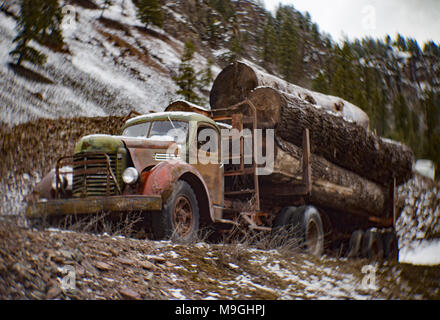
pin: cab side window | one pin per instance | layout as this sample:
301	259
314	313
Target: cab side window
208	141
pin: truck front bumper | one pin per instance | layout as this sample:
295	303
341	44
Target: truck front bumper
84	206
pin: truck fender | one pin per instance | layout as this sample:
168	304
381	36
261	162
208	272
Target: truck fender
160	180
43	189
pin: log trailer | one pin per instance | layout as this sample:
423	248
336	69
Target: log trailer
155	167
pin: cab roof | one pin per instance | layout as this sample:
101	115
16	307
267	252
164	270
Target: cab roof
174	115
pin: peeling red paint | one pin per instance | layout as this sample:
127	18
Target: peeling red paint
160	180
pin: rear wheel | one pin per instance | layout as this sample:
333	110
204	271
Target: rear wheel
179	219
354	247
390	246
304	224
372	247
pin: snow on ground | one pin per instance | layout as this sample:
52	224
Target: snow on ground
426	252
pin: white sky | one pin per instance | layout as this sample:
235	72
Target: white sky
418	19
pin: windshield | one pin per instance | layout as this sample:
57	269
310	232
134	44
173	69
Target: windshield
159	130
138	130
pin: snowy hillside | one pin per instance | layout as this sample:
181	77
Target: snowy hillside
114	65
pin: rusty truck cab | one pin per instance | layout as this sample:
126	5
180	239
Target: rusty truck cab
136	171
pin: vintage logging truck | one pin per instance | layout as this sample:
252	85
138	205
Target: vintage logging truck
155	167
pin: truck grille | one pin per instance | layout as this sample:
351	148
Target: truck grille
93	184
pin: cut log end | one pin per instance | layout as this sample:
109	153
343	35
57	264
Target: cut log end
343	143
238	80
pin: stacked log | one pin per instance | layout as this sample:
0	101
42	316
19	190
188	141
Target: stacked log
343	143
332	186
419	205
352	168
238	80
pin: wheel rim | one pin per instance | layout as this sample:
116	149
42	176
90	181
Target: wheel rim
312	238
183	216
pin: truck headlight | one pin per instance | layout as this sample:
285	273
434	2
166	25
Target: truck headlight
130	175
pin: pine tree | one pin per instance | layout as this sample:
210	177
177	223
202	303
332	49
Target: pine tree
187	77
315	33
39	20
400	43
52	19
235	48
213	29
289	59
402	119
224	7
431	48
320	84
413	47
105	6
206	75
149	12
431	105
268	42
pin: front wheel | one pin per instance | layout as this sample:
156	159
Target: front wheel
179	219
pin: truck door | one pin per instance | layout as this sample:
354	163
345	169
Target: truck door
208	162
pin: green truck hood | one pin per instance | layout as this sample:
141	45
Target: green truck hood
99	143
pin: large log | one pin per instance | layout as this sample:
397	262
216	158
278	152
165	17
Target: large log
332	186
343	143
236	82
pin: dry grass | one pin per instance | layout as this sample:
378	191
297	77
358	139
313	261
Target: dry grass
128	225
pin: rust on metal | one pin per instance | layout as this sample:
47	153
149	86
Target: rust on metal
384	222
185	106
143	152
211	171
69	160
163	176
132	114
254	221
235	114
183	216
94	205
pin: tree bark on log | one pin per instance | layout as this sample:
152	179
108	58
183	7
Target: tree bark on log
236	82
343	143
332	186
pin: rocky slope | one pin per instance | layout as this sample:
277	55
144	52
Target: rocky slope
55	264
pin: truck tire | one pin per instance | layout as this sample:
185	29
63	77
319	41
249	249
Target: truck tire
355	244
282	220
283	231
179	219
390	246
372	245
305	224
